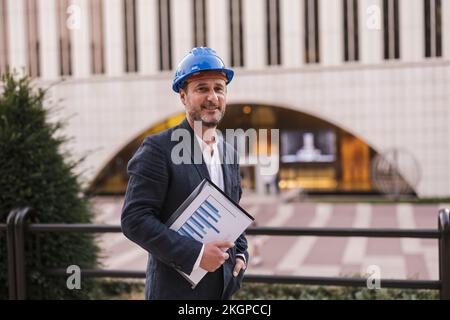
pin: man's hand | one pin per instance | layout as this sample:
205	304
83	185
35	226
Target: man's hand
214	255
240	264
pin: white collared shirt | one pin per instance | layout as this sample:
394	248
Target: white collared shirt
211	157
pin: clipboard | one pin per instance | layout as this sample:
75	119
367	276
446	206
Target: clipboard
208	214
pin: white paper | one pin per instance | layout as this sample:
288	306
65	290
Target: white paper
210	217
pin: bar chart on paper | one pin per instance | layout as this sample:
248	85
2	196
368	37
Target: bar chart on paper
205	220
208	215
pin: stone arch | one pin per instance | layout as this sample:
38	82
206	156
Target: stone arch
348	172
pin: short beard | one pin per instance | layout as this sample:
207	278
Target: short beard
210	124
196	116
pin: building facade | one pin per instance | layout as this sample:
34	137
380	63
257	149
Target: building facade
358	85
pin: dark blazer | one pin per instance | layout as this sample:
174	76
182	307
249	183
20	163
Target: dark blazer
156	188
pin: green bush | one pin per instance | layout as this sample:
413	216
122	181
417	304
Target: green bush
35	173
113	289
123	290
253	291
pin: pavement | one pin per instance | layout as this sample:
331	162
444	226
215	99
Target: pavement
308	255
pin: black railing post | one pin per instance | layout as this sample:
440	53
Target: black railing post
10	248
19	235
444	253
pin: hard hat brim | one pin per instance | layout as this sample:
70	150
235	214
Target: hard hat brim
179	83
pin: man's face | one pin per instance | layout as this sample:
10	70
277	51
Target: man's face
205	100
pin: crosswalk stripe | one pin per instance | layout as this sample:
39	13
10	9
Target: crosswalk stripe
110	213
294	257
405	219
298	252
391	267
318	271
284	213
108	241
431	258
355	249
122	261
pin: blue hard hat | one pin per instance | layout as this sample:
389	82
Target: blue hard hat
197	60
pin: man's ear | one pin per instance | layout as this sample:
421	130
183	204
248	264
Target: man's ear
183	96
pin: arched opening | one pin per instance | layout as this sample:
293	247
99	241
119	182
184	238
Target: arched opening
314	155
113	178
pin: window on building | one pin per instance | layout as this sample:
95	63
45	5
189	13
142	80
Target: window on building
273	32
131	57
433	28
351	40
97	37
200	35
165	41
65	43
312	53
236	33
391	31
32	32
3	37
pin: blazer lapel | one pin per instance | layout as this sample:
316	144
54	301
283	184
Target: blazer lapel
200	166
196	153
226	161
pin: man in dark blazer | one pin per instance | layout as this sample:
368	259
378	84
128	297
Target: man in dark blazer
164	171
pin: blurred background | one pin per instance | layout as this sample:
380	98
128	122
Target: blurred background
359	90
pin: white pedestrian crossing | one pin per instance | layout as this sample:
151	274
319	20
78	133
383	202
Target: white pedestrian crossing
356	246
405	220
297	253
415	257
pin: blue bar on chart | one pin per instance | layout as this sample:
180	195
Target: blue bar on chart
212	208
198	224
202	219
183	232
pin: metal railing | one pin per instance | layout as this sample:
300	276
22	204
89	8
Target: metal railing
17	229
